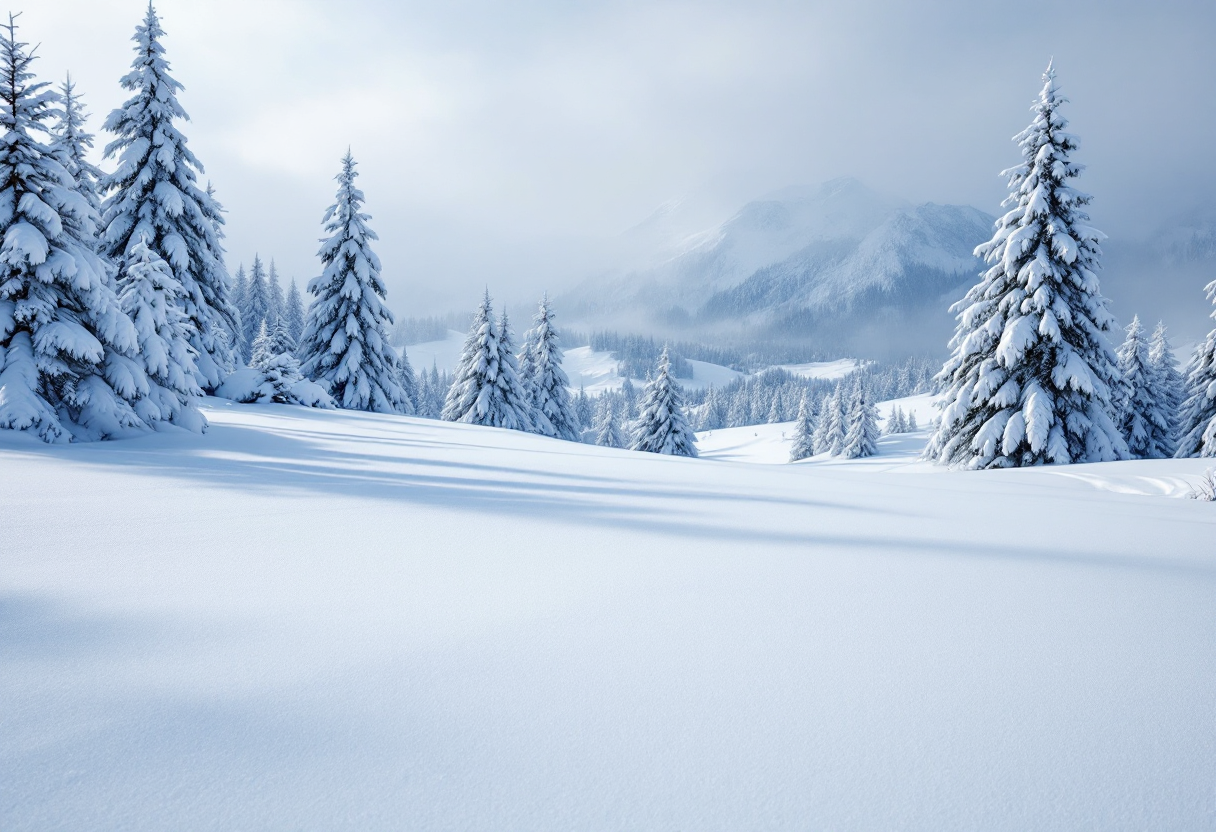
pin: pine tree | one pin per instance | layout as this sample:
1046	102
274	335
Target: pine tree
72	143
148	294
607	425
861	440
431	394
553	411
486	389
240	289
280	338
256	308
662	426
1032	374
262	350
67	352
293	312
345	345
1169	387
774	411
912	426
275	301
1198	422
837	423
804	433
583	409
409	384
713	412
1143	417
631	401
153	194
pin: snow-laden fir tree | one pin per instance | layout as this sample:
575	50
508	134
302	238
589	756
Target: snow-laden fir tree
608	424
67	352
275	299
255	308
149	294
1032	374
1198	421
835	423
153	194
72	143
912	426
713	411
775	410
240	289
1169	386
280	337
262	349
345	346
584	410
547	383
804	433
431	394
1143	415
409	384
861	439
662	425
487	389
293	312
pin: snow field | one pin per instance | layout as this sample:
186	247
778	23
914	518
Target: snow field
333	620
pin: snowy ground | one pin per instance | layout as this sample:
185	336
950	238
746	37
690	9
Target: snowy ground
596	371
324	621
830	370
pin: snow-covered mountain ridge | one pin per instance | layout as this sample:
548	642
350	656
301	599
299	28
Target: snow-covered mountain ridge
816	264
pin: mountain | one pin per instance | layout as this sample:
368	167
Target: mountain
837	266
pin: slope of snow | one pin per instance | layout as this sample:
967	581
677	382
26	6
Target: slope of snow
830	370
326	621
444	355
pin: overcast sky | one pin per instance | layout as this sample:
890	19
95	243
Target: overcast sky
495	138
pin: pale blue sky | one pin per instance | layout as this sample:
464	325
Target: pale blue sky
495	138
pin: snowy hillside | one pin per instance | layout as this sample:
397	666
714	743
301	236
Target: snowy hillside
838	264
333	620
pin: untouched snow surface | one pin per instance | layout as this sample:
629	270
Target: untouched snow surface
322	620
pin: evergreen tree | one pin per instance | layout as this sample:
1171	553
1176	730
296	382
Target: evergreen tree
280	338
774	411
67	352
837	423
861	440
148	294
1169	390
804	433
912	426
553	411
293	312
262	350
662	426
1198	422
431	394
1032	373
631	401
713	412
240	291
1143	417
275	302
409	383
256	309
607	425
72	143
583	409
487	390
153	194
345	341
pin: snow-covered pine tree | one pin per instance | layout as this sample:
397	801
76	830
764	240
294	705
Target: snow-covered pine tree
240	287
256	308
553	410
275	299
713	412
804	433
584	411
608	425
293	312
72	143
1198	421
821	440
662	425
148	294
431	394
345	345
153	193
912	426
1143	416
262	349
1032	374
486	389
774	410
280	337
837	423
409	384
67	352
1169	388
630	394
861	439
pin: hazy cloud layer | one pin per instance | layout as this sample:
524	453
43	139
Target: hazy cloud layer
496	139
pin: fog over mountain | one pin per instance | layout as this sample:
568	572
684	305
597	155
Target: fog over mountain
843	267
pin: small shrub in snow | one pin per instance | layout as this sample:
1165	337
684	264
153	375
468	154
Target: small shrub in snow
1205	489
